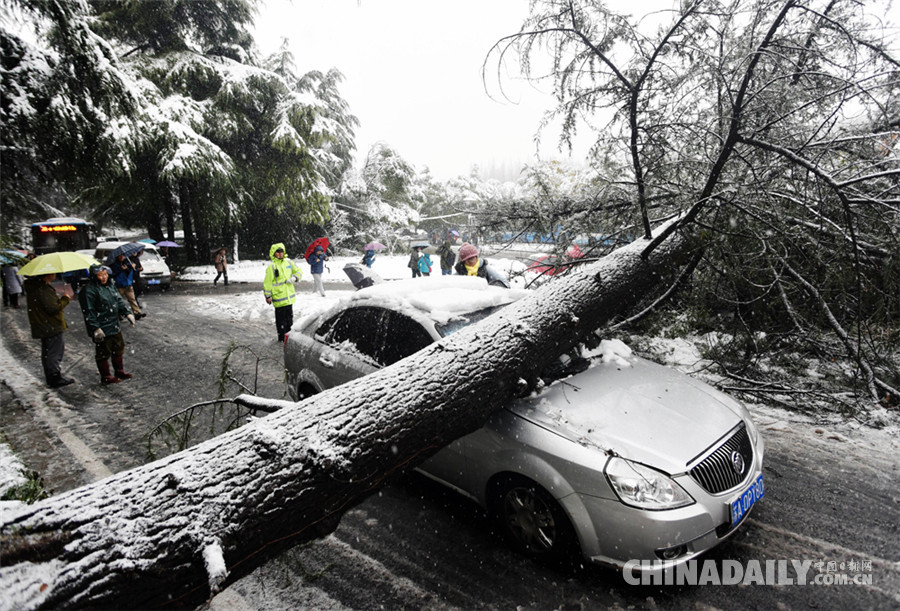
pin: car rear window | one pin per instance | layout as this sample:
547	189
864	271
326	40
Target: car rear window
379	334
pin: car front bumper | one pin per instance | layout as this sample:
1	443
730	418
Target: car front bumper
618	533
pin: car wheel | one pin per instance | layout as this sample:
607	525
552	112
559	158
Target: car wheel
305	391
532	522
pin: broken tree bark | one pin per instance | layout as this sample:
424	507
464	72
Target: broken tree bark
172	531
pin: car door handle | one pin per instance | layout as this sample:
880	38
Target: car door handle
326	362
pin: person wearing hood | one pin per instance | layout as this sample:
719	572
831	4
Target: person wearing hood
278	288
48	323
316	266
102	307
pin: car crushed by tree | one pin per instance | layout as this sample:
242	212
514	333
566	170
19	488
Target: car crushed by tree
605	455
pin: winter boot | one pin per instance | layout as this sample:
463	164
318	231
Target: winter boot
105	376
59	380
119	366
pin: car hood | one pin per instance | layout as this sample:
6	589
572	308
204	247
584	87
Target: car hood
642	411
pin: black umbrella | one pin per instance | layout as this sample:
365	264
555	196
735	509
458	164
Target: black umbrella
125	249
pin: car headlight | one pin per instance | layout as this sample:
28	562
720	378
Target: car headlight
641	486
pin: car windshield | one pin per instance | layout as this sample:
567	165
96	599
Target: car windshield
459	322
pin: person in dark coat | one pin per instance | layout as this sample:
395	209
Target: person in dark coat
102	306
470	264
48	323
122	272
369	258
316	262
135	260
448	258
413	263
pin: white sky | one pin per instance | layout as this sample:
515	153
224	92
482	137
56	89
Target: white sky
412	73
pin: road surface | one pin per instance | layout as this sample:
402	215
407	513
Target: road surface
831	496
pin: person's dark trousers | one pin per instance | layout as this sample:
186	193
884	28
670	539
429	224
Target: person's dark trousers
219	275
14	300
284	320
52	349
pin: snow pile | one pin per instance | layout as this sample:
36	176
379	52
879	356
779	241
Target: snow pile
11	469
612	352
214	560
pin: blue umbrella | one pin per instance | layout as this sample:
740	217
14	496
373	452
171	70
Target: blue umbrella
148	241
8	255
125	249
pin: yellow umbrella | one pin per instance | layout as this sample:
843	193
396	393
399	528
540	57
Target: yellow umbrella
57	263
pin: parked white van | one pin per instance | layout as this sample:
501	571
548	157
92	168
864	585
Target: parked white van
156	272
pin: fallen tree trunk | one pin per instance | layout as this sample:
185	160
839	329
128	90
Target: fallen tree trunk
172	531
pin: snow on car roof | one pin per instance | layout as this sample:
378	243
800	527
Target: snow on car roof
441	298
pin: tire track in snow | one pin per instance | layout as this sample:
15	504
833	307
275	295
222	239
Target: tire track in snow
886	573
44	403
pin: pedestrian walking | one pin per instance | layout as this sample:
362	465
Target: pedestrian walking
102	306
123	275
448	258
137	285
413	263
424	262
12	285
221	263
369	258
278	288
316	262
48	323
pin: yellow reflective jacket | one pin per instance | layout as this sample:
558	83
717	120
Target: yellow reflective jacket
279	284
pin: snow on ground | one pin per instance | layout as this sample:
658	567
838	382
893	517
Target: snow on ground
10	469
681	353
389	267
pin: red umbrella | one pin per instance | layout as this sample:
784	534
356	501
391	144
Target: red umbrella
549	265
323	242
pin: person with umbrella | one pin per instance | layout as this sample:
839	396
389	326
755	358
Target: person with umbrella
48	323
316	260
369	250
102	306
123	275
278	288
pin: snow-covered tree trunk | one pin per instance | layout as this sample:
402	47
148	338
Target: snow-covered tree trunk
172	531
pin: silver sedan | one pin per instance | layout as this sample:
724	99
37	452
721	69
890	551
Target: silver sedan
615	459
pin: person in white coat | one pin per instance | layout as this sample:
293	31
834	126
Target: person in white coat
12	285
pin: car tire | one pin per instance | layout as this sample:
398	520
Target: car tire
532	522
305	391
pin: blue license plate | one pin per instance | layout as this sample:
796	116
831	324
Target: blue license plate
742	504
154	281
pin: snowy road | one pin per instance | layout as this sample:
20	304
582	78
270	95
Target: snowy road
832	493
